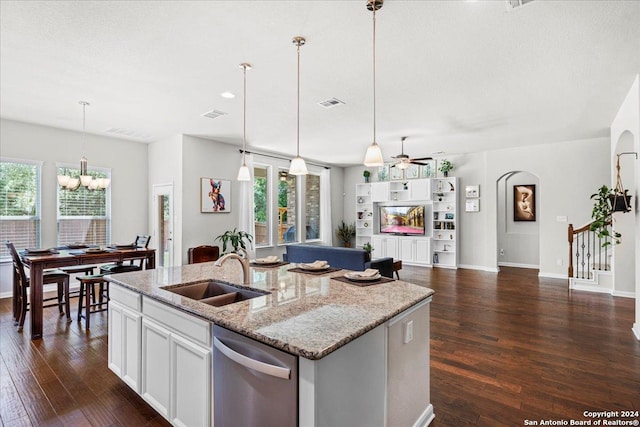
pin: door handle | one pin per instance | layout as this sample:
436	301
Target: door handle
256	365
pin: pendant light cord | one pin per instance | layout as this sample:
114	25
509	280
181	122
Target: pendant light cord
244	111
374	73
298	118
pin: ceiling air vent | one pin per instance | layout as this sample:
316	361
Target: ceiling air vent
329	103
127	133
213	114
514	4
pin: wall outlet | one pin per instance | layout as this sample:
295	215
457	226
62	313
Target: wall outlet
408	332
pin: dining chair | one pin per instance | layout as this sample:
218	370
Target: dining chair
142	241
203	253
21	284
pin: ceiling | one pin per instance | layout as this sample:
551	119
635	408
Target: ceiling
454	76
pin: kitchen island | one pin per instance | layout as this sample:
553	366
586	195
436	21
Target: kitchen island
362	352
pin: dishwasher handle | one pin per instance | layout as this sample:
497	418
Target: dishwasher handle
256	365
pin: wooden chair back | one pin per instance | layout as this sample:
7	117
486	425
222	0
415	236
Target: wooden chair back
142	241
203	253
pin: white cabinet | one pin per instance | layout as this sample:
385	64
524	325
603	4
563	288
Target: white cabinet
163	354
156	364
125	323
445	220
384	246
380	191
415	250
419	189
364	214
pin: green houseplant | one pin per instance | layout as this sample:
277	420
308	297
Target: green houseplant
602	216
236	238
445	167
366	175
345	232
368	249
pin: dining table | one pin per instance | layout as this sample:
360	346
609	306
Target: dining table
38	261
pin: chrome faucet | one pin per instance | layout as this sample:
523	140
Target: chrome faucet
243	257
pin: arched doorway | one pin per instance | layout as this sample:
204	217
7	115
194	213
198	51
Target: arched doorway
518	230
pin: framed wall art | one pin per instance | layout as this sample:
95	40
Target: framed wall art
472	191
383	173
429	170
524	202
472	205
215	195
412	172
396	173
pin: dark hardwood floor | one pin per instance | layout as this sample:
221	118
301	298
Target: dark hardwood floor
505	348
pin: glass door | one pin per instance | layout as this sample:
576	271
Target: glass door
163	224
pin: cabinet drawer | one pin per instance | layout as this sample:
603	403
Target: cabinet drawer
125	297
184	324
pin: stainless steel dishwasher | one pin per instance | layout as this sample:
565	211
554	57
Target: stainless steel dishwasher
253	384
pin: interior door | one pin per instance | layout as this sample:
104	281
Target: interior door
163	224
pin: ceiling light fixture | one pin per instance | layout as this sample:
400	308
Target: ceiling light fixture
86	180
373	157
298	166
243	172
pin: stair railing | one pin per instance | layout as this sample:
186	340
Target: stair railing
589	251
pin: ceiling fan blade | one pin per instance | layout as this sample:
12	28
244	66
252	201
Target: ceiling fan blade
419	163
423	158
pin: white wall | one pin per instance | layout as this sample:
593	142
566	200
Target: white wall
568	173
165	168
628	119
126	159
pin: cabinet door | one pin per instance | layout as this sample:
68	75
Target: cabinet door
190	383
422	251
156	358
115	338
379	191
131	358
419	189
407	249
378	246
391	247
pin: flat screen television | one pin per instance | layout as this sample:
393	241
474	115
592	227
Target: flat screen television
403	220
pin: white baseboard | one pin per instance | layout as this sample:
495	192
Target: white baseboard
479	267
518	265
553	275
636	330
426	417
590	288
624	294
7	294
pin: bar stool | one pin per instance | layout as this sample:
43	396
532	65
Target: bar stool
74	269
86	299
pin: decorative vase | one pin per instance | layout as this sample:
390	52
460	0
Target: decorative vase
446	173
366	179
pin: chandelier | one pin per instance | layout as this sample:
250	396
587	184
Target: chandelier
84	180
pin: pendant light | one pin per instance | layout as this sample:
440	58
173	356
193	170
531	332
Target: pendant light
86	180
298	166
243	172
373	157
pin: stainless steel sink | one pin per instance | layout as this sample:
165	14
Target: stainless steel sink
215	293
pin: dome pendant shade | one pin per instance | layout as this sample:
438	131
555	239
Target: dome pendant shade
243	173
373	157
298	167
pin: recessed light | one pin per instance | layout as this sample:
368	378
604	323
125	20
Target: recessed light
227	95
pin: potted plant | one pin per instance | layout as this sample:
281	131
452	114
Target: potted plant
345	232
366	175
445	167
602	216
368	249
236	238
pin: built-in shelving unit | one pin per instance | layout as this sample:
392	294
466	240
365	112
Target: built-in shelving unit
445	222
364	214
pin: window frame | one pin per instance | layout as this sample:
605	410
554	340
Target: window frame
268	203
37	217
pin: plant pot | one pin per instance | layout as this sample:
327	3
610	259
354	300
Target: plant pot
620	203
367	257
347	244
446	174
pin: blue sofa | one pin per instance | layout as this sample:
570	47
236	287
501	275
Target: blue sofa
347	258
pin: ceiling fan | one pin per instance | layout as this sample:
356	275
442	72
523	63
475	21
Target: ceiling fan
403	161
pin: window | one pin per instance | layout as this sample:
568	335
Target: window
286	207
312	207
261	205
19	204
83	214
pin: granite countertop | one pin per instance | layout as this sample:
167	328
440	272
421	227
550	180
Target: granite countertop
306	315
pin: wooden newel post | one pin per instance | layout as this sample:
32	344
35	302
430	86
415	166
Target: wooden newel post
570	237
